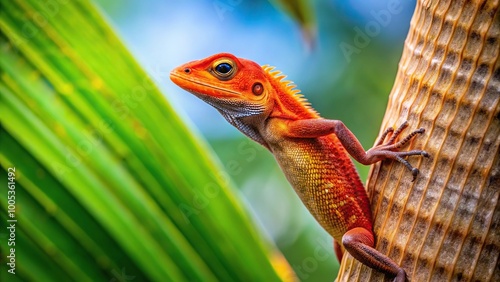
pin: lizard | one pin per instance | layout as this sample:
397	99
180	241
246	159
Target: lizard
312	152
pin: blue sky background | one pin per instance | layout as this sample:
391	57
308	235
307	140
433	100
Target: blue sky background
165	34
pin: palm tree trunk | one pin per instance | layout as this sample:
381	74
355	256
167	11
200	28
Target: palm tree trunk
445	226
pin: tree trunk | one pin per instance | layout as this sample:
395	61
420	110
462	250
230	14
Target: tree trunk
444	226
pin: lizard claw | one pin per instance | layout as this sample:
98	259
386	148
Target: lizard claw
389	150
414	172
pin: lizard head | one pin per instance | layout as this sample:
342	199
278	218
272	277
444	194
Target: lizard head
234	86
240	88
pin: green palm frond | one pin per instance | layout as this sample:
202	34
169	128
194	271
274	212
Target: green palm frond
109	183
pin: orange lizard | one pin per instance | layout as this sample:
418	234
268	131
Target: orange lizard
311	151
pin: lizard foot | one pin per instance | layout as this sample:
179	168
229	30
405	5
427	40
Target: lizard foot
390	149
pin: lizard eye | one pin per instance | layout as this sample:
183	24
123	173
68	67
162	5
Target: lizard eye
224	69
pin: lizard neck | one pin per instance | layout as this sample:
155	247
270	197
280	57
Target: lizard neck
251	126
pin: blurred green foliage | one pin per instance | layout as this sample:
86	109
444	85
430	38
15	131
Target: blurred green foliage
109	185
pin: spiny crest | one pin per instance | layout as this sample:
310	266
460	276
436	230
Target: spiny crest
289	86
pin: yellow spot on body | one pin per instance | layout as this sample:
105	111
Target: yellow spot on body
352	218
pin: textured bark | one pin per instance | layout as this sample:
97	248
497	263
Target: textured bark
445	226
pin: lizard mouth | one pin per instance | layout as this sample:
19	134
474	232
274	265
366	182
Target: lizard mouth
199	88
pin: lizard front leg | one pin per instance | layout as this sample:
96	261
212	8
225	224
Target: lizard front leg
313	128
387	150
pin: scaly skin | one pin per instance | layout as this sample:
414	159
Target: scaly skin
312	151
